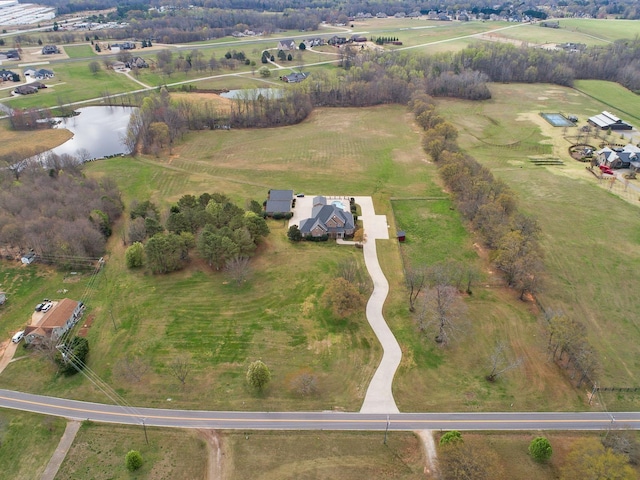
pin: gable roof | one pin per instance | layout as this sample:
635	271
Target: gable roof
321	214
279	201
57	317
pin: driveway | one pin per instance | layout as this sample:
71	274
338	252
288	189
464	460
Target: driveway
379	396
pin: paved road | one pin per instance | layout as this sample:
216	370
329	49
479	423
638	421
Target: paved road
315	420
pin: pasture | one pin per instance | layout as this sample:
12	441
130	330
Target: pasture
278	316
591	248
22	141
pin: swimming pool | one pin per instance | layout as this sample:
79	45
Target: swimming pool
338	204
557	119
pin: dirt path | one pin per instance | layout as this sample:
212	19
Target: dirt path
431	459
8	350
214	463
61	450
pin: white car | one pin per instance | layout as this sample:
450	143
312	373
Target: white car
18	336
47	307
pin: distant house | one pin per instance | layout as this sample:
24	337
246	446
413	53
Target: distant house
329	220
25	90
38	85
287	44
30	257
12	54
550	24
137	62
400	15
313	42
627	157
50	50
279	201
118	66
123	46
607	120
463	17
8	75
295	77
335	40
381	15
358	38
42	74
55	323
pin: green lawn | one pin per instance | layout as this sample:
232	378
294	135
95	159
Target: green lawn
614	97
79	51
27	442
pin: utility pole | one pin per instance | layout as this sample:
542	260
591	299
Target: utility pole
593	392
144	425
386	430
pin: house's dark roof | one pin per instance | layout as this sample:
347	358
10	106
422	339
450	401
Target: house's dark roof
279	201
296	77
607	120
321	214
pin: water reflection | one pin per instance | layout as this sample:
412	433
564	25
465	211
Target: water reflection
97	130
253	93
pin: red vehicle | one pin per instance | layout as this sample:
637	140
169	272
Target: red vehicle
605	169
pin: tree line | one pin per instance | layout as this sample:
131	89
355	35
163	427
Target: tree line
223	234
56	211
490	207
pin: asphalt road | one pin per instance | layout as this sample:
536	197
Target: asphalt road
316	420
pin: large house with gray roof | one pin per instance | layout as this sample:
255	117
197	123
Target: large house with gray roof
329	220
627	157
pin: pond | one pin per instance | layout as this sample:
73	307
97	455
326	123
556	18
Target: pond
98	130
253	93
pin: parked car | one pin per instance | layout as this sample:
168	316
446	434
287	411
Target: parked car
39	307
18	336
47	307
606	169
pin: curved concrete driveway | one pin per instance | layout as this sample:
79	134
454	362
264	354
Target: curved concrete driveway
379	397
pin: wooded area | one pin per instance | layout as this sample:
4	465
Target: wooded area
63	216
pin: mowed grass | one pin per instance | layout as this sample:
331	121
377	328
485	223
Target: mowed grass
99	450
322	455
27	142
74	82
27	442
591	247
79	51
614	96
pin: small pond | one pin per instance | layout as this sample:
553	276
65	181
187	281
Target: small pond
98	130
253	93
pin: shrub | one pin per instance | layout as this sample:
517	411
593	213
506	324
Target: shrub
294	233
133	460
323	238
451	437
134	256
540	449
258	375
75	356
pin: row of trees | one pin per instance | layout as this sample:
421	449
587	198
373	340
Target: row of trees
223	234
486	202
55	210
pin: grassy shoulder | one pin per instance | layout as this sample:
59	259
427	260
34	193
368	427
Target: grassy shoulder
99	450
326	455
27	442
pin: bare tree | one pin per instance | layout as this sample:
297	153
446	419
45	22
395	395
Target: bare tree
180	368
444	311
416	279
305	383
500	362
238	268
132	368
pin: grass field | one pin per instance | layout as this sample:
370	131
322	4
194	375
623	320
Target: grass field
17	141
322	456
79	51
591	248
224	328
614	96
99	450
27	442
